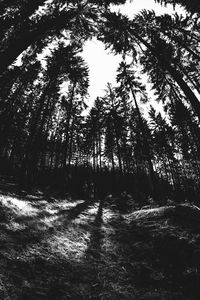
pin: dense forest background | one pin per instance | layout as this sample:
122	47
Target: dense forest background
45	137
99	202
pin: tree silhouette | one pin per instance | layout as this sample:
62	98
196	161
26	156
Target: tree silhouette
126	76
192	5
46	135
77	17
157	47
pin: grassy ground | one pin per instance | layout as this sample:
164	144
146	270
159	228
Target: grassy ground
53	248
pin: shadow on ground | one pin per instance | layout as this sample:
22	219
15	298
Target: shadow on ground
64	249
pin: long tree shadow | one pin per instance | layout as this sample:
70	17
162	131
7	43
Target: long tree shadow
33	229
67	215
64	215
96	237
44	275
75	211
87	272
31	273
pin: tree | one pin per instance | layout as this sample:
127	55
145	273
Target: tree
63	65
129	34
79	82
77	17
14	98
128	80
164	147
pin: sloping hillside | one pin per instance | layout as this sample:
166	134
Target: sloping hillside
72	249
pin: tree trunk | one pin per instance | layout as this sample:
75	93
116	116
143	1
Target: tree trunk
71	144
147	149
69	112
113	162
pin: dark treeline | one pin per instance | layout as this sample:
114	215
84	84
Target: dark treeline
123	144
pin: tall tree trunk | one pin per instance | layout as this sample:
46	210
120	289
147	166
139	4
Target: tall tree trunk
116	133
99	144
69	112
147	149
119	155
113	162
71	143
94	155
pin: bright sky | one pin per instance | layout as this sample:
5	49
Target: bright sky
103	64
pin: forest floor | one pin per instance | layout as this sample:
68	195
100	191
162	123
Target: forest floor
55	249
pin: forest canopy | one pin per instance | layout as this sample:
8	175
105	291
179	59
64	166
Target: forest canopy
46	139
